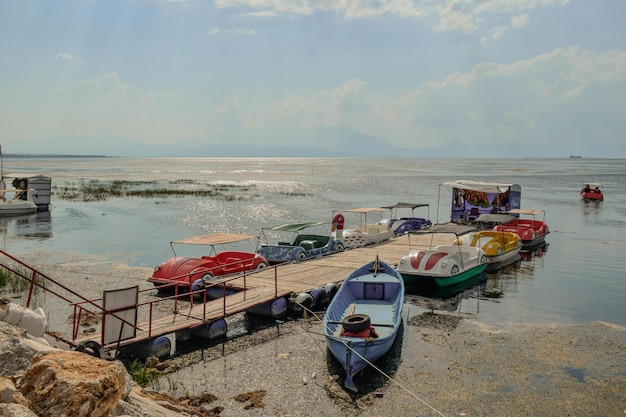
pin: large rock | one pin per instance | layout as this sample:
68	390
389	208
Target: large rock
142	403
67	383
9	394
55	382
15	410
17	350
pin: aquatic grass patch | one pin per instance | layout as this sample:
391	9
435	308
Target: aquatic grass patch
17	282
141	373
96	190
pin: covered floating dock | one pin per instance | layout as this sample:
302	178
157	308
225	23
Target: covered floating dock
470	199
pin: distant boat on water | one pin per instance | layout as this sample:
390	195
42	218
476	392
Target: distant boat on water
575	156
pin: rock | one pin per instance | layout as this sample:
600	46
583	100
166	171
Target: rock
17	351
141	404
15	410
57	382
10	394
67	383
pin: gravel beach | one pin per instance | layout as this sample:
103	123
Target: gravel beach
443	364
447	366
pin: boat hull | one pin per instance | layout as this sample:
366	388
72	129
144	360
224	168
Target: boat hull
592	196
374	291
442	265
504	257
350	355
16	211
533	243
441	281
17	207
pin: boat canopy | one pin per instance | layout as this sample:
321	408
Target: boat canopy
485	187
363	210
453	228
215	239
495	218
411	206
525	211
295	227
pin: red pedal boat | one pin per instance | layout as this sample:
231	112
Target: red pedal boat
592	191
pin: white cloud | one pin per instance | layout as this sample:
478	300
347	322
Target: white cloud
68	58
466	16
240	31
488	103
520	20
237	31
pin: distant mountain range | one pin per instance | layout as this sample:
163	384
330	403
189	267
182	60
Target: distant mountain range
319	142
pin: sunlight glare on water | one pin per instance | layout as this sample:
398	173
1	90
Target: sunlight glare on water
579	278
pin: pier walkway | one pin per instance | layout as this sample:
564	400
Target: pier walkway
253	290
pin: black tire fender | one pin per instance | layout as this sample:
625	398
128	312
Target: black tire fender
90	347
356	322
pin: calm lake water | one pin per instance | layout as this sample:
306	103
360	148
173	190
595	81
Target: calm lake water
579	277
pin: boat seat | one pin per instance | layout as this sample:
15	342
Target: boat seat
308	244
379	314
375	229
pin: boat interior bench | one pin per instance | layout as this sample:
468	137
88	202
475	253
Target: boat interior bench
375	228
381	316
466	256
309	242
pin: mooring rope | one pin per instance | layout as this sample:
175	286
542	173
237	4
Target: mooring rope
304	308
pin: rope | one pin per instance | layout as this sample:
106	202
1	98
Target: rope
368	362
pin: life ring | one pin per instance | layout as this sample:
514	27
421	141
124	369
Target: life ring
338	222
356	322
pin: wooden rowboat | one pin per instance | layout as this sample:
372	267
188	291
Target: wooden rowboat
362	320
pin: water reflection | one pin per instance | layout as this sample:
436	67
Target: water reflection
447	298
492	284
591	208
31	226
499	266
537	252
504	279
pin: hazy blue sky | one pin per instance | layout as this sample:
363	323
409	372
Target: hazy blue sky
92	75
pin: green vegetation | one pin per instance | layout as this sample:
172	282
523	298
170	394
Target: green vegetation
16	282
142	374
95	190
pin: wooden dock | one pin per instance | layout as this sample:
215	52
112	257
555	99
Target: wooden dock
264	286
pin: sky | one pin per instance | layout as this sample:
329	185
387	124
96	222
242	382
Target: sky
508	78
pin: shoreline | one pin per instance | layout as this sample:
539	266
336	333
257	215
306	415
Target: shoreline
444	364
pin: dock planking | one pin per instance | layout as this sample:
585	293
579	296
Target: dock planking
284	280
196	315
304	276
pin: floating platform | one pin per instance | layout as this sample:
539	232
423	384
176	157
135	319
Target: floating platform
271	291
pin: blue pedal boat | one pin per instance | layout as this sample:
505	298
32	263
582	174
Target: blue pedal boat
362	320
